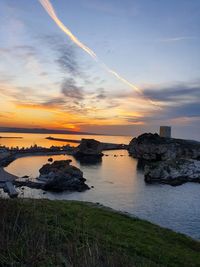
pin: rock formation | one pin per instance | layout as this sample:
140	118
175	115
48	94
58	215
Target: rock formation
167	160
173	172
152	147
89	150
60	176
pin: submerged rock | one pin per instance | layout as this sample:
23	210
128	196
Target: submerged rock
173	172
60	176
152	147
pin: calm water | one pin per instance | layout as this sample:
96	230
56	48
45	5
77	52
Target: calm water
118	184
39	139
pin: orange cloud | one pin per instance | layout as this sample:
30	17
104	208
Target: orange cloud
36	106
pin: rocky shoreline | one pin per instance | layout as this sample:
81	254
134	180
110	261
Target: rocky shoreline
163	160
59	175
167	160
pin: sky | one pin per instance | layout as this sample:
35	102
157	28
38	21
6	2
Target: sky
47	81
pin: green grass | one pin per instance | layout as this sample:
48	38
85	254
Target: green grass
67	233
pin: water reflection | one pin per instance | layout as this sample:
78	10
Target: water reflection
119	183
141	165
39	139
89	160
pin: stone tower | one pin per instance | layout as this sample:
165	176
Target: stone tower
165	131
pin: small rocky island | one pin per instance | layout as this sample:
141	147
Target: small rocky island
167	160
60	176
89	151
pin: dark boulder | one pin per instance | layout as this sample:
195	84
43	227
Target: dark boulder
88	149
60	176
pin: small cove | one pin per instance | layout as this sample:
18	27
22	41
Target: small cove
120	185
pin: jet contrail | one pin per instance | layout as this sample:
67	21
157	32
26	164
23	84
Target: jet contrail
50	10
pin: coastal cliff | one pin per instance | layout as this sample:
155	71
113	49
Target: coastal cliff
152	147
167	160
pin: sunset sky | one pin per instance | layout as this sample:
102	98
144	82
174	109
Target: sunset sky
47	81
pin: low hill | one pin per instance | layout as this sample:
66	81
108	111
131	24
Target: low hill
70	233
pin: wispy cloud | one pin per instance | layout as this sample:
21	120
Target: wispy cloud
65	55
70	89
181	103
175	92
101	94
6	115
26	55
175	39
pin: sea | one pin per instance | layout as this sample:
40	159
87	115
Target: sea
117	183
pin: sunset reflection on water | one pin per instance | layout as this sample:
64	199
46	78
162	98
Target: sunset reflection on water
120	185
40	139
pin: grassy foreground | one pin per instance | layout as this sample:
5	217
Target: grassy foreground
46	233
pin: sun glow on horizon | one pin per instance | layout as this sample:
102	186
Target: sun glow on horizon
52	75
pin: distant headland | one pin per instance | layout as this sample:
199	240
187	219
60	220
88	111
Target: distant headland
41	131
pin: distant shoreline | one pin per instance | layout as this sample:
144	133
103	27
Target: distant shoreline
11	137
50	131
63	140
41	131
